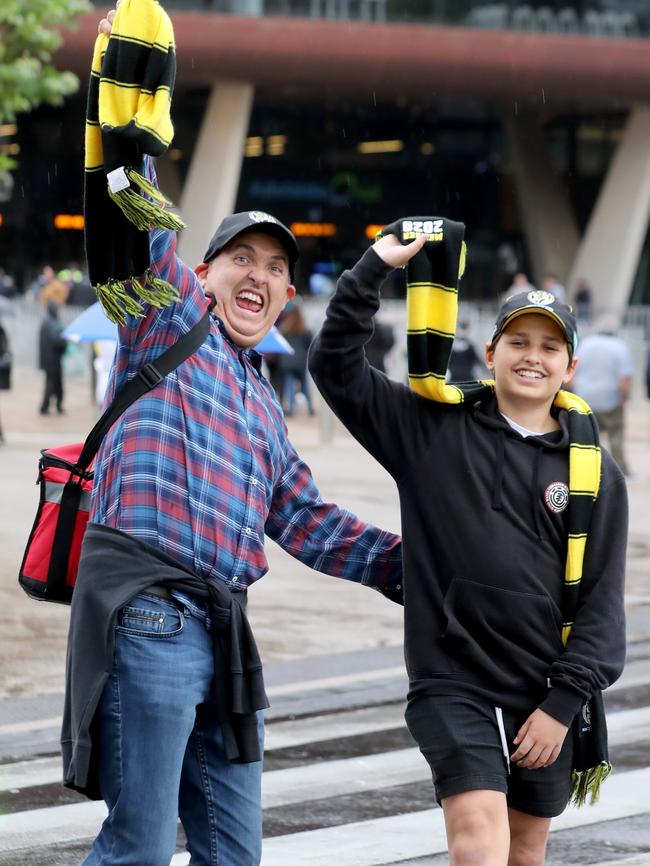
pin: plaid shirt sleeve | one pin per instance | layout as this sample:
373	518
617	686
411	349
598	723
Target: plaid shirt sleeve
165	263
328	538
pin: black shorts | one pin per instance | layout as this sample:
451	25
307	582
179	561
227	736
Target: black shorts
459	736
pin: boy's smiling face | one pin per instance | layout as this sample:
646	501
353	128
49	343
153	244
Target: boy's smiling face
530	361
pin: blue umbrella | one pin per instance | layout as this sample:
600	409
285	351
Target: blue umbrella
93	325
274	343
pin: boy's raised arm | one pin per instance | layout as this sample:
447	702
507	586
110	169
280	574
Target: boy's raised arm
371	406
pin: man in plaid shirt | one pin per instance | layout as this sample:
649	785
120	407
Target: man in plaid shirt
189	481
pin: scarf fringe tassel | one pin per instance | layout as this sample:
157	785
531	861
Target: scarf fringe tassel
142	212
147	187
585	784
118	301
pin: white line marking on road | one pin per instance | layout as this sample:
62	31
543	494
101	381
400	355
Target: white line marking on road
312	685
635	860
625	727
26	774
35	725
636	674
405	837
366	843
299	732
340	680
345	776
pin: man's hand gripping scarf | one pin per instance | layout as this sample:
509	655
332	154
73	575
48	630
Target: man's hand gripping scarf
128	116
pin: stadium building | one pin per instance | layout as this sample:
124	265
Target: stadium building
530	122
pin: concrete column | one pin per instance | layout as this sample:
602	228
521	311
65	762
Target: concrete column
210	191
168	179
248	7
608	256
550	228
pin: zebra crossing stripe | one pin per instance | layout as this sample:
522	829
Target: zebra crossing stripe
638	860
36	725
26	774
345	776
365	843
336	681
404	837
421	834
45	827
279	788
625	727
350	723
635	674
278	735
628	726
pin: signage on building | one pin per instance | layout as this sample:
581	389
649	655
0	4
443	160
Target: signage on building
344	188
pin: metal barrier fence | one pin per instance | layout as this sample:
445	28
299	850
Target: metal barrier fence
635	330
23	326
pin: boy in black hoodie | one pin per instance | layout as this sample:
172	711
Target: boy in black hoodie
484	490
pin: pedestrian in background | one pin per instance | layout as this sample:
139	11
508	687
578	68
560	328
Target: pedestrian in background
552	285
379	345
520	283
51	346
51	287
464	362
604	380
293	368
5	368
582	301
7	285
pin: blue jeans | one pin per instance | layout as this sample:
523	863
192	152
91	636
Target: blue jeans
289	392
161	749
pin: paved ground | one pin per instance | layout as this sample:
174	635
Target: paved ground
295	612
342	780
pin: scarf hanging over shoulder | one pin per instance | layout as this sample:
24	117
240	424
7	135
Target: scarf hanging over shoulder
128	116
431	309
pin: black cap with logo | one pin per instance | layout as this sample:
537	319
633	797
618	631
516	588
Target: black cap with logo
249	221
538	302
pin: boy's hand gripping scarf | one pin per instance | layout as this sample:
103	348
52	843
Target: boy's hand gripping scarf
431	310
131	82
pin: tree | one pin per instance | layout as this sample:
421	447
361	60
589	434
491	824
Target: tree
28	36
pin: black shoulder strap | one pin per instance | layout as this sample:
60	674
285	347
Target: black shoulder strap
146	379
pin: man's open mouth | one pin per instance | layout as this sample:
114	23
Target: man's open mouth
249	300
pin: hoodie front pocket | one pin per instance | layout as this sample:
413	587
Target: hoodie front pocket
500	637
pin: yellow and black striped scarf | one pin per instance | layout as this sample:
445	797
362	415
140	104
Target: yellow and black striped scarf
128	116
432	309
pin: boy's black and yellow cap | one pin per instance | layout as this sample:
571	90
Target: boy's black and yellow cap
538	302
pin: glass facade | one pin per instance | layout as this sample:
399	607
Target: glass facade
613	18
337	167
334	168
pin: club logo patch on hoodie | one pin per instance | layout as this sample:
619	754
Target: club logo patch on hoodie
556	496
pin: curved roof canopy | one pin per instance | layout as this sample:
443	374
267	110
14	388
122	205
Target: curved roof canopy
395	59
